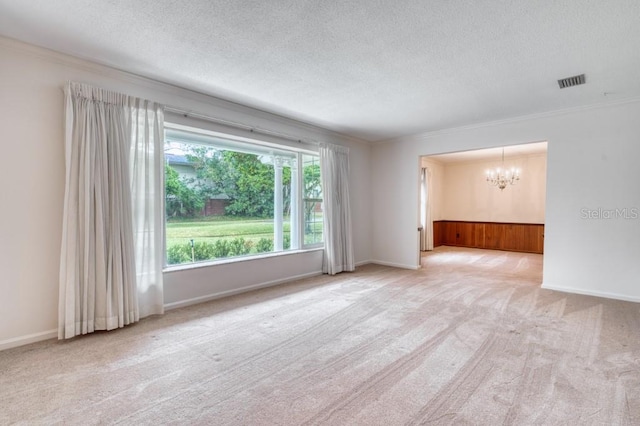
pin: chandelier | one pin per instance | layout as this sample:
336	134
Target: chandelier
501	177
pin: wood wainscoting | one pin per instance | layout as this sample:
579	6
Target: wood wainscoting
523	237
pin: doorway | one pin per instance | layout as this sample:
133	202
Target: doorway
465	203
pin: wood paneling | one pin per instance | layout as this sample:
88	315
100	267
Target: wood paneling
513	237
450	232
438	231
493	236
524	237
535	236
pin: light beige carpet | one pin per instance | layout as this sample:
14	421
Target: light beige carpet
469	339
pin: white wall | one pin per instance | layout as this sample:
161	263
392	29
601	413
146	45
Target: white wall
467	196
592	162
31	119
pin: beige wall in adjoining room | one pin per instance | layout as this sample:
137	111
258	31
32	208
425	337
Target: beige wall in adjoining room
468	197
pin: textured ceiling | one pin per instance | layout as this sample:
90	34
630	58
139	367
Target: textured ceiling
374	69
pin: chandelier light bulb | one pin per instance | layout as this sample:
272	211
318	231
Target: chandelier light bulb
502	177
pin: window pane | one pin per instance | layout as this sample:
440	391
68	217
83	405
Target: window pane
312	200
220	201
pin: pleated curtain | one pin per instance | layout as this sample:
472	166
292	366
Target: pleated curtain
146	166
111	253
426	235
338	241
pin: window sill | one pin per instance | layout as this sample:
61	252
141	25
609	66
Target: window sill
208	263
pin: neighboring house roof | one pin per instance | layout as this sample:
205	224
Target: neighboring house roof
175	159
181	160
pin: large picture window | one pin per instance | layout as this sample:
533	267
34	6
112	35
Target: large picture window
226	198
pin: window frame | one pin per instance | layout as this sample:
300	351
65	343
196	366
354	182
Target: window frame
303	199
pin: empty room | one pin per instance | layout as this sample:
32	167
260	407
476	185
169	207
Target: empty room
245	213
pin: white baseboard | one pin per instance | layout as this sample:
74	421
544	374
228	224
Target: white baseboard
395	265
29	338
603	294
363	262
219	295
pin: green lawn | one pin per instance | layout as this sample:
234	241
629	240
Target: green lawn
183	231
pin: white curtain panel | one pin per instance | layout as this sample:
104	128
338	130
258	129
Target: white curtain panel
101	241
338	242
146	165
426	236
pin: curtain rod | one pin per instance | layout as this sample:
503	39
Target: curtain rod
237	125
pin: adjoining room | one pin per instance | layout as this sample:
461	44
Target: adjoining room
489	199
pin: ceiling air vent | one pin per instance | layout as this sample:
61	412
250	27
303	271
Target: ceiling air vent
571	81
